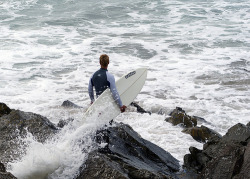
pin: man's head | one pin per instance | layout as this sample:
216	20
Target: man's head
104	61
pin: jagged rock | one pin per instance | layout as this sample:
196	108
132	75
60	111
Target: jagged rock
15	125
187	174
70	104
200	119
179	116
2	167
214	140
127	155
99	165
63	123
244	172
4	174
223	158
238	132
40	127
196	159
7	175
201	134
139	108
4	109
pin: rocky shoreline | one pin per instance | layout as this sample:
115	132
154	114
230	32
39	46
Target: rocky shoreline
127	155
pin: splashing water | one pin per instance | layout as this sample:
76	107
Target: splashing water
61	156
197	53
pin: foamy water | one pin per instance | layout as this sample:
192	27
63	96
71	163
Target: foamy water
197	55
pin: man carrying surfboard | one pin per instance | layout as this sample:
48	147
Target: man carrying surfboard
101	80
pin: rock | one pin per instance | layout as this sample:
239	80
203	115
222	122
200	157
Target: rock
225	160
226	157
7	175
70	104
200	119
139	108
4	109
244	171
214	140
179	116
99	165
187	174
127	155
248	124
238	132
63	123
4	174
2	167
201	134
16	125
196	159
40	127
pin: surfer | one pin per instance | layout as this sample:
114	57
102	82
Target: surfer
102	80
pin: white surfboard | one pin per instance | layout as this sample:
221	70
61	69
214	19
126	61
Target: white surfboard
128	87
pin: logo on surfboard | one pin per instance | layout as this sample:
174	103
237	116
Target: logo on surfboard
130	74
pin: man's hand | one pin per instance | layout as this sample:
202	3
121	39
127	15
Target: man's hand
123	108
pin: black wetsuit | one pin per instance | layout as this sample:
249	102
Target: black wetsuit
102	80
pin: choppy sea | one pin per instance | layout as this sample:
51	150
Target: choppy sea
197	53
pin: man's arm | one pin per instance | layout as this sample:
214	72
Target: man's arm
91	91
113	89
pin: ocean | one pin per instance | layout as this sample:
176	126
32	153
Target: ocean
197	54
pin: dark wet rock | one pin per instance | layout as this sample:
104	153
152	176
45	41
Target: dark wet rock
248	124
244	172
70	104
179	117
201	134
4	109
63	123
139	108
99	165
40	127
226	157
127	155
15	125
200	119
238	132
214	140
196	159
4	174
2	167
187	174
7	175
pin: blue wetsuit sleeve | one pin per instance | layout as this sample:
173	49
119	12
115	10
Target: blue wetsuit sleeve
113	89
91	91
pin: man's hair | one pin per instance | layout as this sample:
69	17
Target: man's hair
104	60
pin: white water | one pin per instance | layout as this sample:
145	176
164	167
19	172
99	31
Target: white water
197	54
62	156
